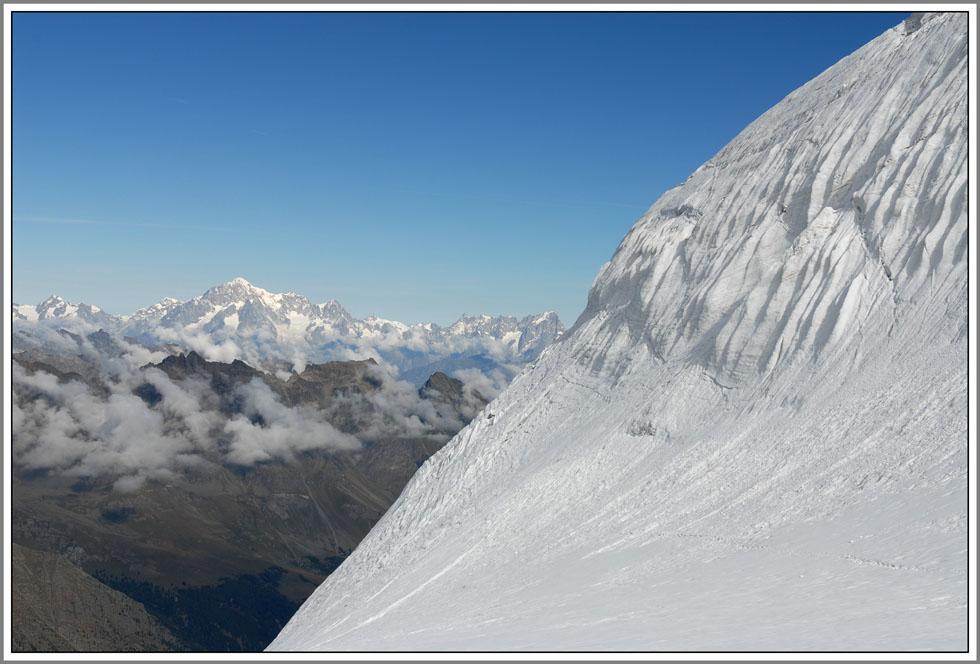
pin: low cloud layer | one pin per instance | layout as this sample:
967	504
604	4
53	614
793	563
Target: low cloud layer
267	430
396	410
487	384
65	427
109	417
68	428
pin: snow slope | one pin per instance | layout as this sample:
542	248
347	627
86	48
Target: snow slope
755	436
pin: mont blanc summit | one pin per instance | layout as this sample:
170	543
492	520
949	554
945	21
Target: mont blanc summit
754	437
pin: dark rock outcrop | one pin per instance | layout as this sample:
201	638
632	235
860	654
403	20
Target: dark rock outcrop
451	391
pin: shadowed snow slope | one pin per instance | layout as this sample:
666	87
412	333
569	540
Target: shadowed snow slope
755	436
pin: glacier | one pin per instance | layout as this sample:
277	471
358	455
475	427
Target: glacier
754	438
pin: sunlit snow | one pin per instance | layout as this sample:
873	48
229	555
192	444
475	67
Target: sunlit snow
755	436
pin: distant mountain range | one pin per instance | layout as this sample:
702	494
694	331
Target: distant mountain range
238	320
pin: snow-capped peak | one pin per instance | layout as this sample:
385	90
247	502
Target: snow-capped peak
52	302
238	289
56	307
334	311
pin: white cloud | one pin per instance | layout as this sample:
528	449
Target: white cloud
72	429
267	429
66	428
395	409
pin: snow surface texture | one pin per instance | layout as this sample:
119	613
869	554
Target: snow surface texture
754	438
237	320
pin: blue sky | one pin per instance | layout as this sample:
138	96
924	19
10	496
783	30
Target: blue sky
413	166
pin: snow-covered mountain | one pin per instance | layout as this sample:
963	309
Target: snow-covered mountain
57	309
755	436
239	320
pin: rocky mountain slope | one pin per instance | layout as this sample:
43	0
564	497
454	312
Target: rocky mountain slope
237	320
755	436
57	608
